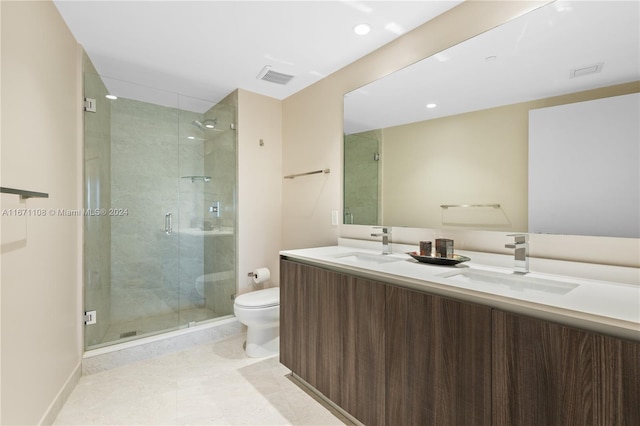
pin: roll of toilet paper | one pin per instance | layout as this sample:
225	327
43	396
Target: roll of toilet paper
261	275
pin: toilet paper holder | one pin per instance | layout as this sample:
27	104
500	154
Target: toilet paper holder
260	275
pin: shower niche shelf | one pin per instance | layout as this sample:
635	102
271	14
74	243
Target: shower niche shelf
23	193
195	178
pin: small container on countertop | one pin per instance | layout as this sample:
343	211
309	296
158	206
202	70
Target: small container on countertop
425	248
444	247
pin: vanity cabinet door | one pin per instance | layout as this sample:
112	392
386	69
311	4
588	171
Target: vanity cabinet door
288	296
550	374
438	360
332	336
292	308
618	363
310	339
361	317
295	313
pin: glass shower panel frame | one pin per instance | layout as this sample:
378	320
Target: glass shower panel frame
97	195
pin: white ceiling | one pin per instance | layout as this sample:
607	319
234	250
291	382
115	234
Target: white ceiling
207	49
532	59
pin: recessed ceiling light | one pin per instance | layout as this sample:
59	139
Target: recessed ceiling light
112	97
362	29
431	105
191	137
394	28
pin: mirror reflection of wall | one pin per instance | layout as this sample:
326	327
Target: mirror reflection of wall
459	160
473	148
584	168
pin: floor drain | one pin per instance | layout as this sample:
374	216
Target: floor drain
128	334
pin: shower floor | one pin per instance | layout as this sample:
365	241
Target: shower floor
129	330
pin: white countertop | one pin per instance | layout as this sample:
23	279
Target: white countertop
602	306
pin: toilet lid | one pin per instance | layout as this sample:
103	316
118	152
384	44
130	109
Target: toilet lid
259	299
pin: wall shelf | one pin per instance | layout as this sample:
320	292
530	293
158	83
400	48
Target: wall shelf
195	178
23	193
447	206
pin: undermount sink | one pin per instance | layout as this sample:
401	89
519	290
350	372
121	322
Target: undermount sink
366	258
515	282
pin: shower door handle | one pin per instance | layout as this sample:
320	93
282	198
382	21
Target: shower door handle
168	223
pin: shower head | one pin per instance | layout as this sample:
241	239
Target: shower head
198	124
208	124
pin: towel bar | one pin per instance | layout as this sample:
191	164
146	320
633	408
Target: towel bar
308	173
24	194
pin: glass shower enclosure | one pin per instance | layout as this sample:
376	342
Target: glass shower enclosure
160	210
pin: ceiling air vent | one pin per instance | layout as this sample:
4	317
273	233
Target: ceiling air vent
273	76
589	69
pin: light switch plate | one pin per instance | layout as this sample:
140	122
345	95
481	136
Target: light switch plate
334	217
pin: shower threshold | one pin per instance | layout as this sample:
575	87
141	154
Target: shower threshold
124	353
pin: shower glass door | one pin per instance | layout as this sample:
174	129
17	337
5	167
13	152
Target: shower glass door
160	211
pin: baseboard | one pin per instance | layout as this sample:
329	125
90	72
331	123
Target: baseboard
335	409
58	402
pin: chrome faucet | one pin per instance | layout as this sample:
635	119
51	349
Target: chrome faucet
386	232
520	253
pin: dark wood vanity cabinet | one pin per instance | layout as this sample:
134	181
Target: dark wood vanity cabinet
395	356
438	360
550	374
332	336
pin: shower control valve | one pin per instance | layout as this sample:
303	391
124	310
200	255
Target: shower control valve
214	209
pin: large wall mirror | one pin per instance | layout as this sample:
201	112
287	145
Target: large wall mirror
446	142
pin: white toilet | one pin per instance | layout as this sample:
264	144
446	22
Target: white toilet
260	312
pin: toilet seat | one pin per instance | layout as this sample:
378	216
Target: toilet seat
259	299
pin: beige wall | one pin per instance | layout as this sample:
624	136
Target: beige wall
41	269
259	186
313	129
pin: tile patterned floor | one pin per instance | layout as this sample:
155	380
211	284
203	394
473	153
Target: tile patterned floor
210	384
